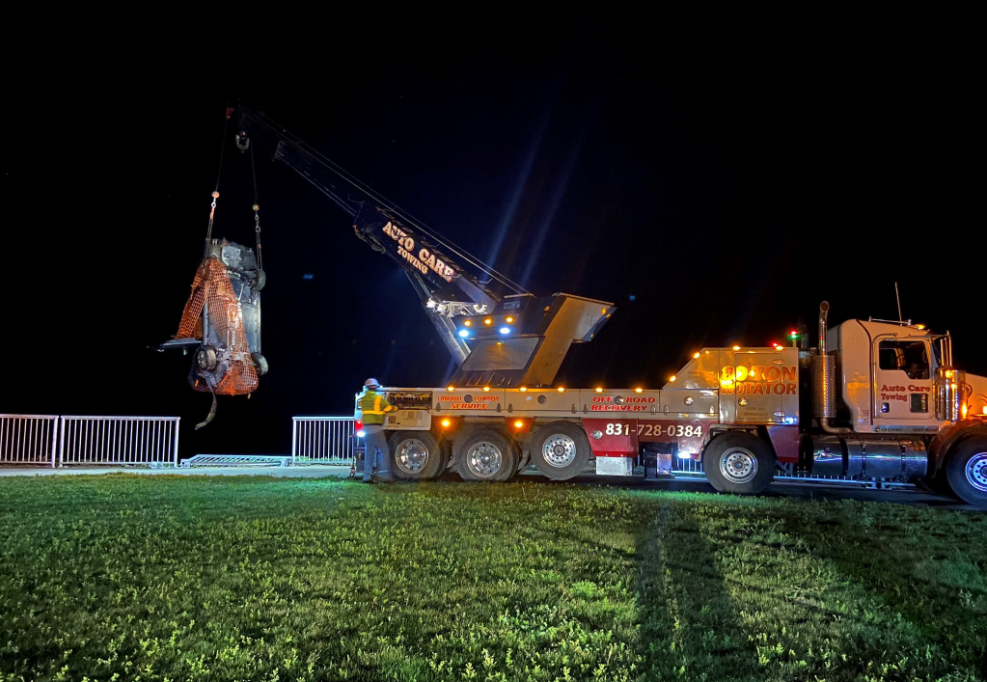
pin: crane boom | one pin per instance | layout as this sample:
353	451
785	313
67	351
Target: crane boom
498	340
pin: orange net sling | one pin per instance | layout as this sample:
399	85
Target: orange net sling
212	286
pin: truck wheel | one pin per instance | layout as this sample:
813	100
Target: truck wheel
738	462
416	455
486	455
966	471
560	450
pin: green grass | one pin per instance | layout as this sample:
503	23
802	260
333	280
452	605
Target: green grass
154	578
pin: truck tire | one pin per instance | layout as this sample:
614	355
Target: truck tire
560	450
416	455
486	455
738	462
966	471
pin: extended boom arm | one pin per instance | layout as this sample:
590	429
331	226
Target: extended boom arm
511	340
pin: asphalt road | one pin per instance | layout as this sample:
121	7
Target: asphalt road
798	490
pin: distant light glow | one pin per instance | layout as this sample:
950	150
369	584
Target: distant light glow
639	390
486	389
450	388
696	356
672	378
599	389
464	333
561	389
522	389
736	347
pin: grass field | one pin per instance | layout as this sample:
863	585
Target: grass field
179	578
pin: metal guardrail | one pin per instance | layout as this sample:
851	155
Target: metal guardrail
28	439
787	472
118	440
323	440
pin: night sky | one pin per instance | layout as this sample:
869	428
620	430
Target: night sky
716	194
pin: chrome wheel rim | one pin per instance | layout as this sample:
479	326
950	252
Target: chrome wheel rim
738	465
412	456
976	471
559	450
484	459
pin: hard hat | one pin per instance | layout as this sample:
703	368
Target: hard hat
371	382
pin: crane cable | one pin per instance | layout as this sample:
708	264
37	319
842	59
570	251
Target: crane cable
429	232
256	207
215	193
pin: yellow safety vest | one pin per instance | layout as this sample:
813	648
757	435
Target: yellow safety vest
369	408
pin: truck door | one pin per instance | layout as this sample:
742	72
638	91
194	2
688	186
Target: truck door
903	392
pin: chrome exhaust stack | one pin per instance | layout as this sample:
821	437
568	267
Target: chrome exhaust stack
824	378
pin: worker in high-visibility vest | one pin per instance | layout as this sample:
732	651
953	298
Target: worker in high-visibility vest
370	409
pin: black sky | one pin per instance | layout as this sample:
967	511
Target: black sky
729	187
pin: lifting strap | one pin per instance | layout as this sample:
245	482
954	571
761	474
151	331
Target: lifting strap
215	193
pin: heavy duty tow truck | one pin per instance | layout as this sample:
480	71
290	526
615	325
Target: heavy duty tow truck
873	400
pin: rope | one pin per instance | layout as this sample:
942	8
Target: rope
256	207
215	193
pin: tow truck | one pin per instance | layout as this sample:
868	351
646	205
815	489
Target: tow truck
873	400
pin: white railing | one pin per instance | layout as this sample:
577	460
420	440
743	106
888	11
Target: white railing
118	440
28	438
323	440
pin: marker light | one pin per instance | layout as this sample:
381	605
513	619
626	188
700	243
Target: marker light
736	347
464	333
963	410
488	321
985	410
450	388
518	424
949	373
685	455
638	390
793	334
446	423
561	389
486	388
505	330
599	389
468	323
672	378
920	326
509	320
361	434
696	356
522	389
